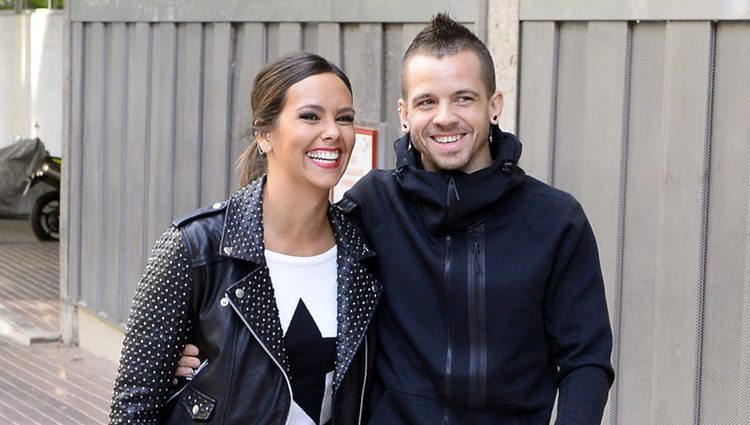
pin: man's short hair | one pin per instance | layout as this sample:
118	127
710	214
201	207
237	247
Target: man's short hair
444	36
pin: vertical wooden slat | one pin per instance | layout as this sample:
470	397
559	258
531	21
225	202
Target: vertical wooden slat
397	37
187	171
216	101
74	170
678	296
602	138
160	188
248	61
91	185
290	37
726	352
329	42
309	36
393	35
634	384
111	170
363	64
135	161
538	76
601	147
570	107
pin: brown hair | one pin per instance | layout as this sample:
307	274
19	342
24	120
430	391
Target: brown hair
444	36
267	99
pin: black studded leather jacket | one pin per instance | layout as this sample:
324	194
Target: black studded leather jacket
207	282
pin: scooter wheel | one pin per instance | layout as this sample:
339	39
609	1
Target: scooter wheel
45	216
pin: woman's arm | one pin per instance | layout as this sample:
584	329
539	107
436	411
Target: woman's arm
160	320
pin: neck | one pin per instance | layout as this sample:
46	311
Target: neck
295	219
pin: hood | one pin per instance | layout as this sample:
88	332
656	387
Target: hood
453	200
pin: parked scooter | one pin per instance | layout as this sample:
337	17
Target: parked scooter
45	213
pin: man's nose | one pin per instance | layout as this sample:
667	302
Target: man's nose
444	115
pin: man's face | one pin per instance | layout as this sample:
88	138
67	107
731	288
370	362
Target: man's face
448	111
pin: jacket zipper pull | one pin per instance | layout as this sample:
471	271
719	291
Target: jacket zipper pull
451	189
477	264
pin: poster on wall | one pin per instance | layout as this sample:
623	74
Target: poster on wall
363	159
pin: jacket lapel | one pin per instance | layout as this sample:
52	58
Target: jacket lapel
358	293
253	296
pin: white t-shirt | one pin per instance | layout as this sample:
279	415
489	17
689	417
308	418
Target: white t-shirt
306	290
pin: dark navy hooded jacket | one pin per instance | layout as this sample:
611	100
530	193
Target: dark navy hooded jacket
493	295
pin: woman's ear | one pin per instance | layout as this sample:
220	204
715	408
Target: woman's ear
263	141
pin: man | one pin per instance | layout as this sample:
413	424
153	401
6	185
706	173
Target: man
493	298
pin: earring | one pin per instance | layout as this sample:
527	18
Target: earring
403	124
260	149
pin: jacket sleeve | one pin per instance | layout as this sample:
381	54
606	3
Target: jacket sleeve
578	322
157	328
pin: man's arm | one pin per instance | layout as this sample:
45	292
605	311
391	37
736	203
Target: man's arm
578	321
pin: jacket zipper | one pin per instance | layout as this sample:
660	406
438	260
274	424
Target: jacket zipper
449	349
283	372
477	318
364	385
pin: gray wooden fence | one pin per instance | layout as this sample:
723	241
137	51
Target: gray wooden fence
642	110
157	102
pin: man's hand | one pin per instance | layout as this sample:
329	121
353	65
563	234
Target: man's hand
187	364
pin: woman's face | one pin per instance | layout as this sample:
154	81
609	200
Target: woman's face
314	133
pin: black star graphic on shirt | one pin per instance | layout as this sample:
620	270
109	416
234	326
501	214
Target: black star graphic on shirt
311	357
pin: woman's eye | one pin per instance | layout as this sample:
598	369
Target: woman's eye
309	116
346	118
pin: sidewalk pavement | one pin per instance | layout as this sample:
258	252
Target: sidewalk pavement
42	381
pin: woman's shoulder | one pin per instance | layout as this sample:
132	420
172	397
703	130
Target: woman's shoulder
217	208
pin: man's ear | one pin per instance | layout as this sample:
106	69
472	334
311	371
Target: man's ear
496	106
403	115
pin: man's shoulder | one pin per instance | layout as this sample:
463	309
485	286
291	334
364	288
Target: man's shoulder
537	191
373	184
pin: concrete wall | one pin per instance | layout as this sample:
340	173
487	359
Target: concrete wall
31	77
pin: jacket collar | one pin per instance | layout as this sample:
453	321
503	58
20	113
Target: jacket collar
453	200
242	237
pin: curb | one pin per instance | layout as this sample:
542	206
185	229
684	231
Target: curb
14	327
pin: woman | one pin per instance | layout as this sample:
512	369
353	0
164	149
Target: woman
271	285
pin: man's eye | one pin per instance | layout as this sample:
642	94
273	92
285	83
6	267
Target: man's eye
464	99
309	116
426	102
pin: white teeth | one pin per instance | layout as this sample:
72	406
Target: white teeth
447	139
323	155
